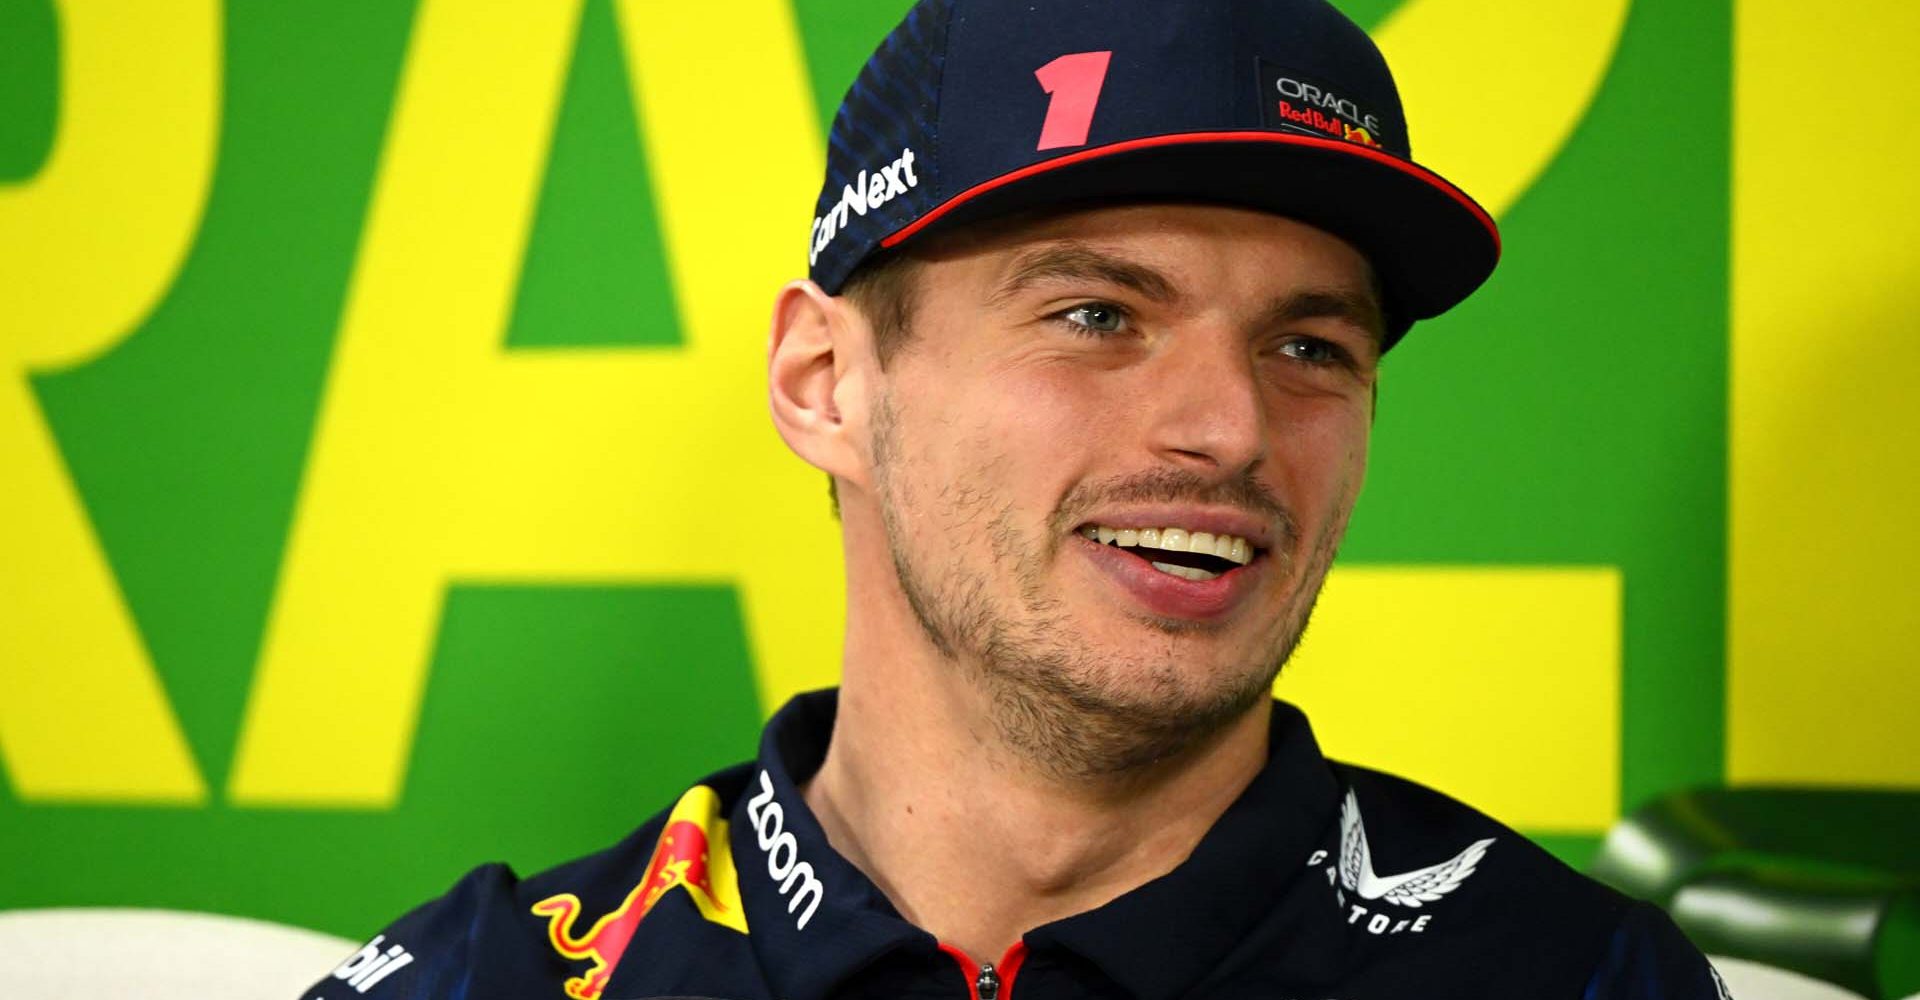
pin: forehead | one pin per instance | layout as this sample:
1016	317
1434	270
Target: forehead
1197	246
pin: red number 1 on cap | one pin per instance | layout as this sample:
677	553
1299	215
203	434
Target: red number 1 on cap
1074	81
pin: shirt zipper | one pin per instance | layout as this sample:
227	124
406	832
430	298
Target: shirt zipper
984	982
986	985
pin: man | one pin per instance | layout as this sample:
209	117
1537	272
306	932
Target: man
1098	298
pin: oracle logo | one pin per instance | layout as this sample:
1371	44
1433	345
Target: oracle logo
1320	97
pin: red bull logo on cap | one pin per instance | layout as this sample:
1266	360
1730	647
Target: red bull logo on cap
1295	103
1312	118
693	854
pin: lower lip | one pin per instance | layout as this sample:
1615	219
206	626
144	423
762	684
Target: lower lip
1166	595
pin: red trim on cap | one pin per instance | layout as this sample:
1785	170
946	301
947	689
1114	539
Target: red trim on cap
1413	170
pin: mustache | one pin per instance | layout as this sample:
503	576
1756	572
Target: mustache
1244	492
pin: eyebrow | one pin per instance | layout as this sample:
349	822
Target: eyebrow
1362	309
1079	262
1074	261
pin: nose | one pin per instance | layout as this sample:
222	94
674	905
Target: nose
1206	411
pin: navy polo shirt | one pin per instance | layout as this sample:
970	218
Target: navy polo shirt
1322	881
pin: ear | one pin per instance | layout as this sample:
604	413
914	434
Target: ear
814	377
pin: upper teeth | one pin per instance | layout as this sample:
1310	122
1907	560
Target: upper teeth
1229	547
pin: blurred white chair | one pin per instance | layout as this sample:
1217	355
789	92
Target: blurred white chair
1754	981
70	954
89	953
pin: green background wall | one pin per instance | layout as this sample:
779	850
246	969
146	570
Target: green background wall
1584	410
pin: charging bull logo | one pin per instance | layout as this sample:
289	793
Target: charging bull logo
1353	133
693	854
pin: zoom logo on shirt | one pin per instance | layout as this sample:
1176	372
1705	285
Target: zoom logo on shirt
783	852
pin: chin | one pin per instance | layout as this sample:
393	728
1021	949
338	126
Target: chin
1164	676
1106	714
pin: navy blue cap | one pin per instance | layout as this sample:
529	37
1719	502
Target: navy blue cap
972	109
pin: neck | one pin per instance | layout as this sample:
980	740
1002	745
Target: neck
977	846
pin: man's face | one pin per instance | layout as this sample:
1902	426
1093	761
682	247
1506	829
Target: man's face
1084	393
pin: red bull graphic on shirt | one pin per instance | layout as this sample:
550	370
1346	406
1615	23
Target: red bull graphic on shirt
693	854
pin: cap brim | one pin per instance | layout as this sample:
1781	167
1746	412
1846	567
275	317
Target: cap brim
1431	244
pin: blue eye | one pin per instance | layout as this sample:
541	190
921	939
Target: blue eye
1095	317
1313	351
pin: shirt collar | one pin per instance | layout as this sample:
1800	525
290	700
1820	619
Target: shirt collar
1158	940
808	939
1162	938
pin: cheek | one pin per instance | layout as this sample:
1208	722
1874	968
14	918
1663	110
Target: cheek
995	456
1063	400
1080	407
1047	418
1322	451
966	444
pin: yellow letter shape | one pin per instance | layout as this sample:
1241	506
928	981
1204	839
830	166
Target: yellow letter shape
1493	88
1825	441
440	457
88	246
1498	685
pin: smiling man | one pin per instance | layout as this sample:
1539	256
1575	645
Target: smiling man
1098	298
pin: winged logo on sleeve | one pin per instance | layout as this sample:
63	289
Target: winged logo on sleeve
1414	888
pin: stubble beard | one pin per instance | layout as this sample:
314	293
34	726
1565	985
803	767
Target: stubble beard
1065	710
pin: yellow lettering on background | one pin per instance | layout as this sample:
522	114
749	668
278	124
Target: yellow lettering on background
1499	686
1494	87
88	246
439	457
1825	441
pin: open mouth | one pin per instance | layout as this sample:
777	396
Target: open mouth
1190	555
